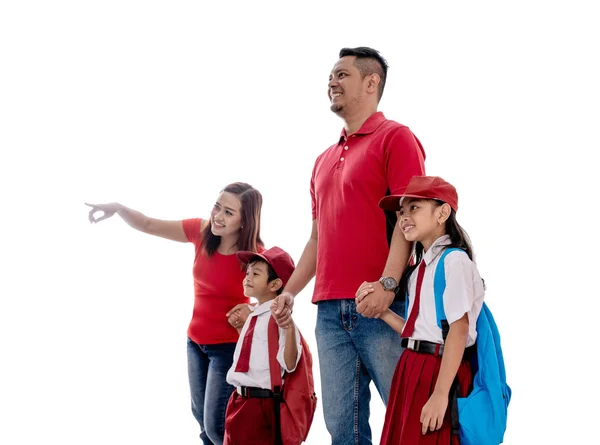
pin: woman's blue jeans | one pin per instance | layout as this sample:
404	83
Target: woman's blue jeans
207	371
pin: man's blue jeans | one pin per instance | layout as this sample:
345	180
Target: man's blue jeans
353	351
207	371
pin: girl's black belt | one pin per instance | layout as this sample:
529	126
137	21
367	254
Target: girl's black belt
426	347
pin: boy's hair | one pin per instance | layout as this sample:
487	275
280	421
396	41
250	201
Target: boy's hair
251	201
368	61
458	238
271	275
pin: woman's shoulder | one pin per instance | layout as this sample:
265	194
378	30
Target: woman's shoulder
193	228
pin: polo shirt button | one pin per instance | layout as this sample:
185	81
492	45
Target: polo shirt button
341	159
346	147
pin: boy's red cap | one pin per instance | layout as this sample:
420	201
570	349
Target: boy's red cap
281	261
423	187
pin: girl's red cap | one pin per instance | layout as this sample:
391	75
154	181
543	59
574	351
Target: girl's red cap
423	187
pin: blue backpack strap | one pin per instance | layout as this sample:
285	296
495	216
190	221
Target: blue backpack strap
439	286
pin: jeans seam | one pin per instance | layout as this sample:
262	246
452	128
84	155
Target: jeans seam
356	399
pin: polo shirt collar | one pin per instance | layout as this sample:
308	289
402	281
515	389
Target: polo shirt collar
436	248
259	309
368	127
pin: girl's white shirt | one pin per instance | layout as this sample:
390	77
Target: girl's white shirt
464	293
258	375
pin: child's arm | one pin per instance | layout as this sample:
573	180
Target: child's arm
290	354
391	318
237	316
395	321
433	412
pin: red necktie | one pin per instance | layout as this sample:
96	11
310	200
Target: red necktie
409	327
243	363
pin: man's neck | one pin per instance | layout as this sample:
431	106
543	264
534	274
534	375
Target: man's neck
353	123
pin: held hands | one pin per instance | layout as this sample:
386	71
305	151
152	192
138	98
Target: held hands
237	315
281	309
372	300
108	210
432	414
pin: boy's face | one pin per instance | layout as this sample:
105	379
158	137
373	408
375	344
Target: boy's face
256	283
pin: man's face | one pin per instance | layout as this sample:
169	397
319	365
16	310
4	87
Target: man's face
346	86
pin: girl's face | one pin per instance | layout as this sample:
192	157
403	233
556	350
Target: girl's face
226	215
421	220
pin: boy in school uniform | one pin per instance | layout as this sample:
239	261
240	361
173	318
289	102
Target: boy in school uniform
250	411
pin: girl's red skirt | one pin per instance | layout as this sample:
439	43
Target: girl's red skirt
413	383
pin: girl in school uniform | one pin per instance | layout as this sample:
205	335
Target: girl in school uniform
418	411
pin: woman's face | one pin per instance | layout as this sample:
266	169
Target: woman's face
226	215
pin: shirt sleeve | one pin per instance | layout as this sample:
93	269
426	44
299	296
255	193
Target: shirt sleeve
191	228
405	158
463	286
281	352
313	199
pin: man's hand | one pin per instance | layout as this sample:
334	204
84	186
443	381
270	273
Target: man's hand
237	315
281	309
372	300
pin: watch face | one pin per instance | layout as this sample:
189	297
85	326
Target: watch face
389	283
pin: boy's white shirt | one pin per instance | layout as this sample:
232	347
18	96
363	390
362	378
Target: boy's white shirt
464	293
258	375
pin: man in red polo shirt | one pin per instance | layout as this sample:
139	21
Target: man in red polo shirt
350	244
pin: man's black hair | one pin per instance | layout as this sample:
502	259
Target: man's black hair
368	61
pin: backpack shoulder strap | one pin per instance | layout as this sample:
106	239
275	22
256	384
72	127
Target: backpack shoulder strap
275	370
273	342
439	286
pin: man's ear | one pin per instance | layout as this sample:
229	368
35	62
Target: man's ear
373	80
275	285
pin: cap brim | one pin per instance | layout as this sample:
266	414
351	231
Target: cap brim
246	256
392	202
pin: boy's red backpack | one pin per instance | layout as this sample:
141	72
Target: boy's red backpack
296	400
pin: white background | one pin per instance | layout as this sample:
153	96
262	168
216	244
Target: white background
158	105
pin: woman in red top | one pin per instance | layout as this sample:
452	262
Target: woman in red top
218	275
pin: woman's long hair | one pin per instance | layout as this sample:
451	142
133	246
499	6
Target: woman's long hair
458	238
251	201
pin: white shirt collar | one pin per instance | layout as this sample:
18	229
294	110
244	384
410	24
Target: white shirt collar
436	248
259	309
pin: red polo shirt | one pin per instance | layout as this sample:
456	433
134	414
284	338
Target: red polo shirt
348	180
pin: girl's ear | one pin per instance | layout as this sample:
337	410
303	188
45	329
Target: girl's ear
275	285
444	213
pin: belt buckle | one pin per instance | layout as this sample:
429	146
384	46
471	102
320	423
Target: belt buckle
413	344
242	391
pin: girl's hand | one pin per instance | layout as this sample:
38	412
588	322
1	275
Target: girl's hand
108	210
365	289
237	315
432	414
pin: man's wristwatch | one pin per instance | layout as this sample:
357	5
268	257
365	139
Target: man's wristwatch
389	283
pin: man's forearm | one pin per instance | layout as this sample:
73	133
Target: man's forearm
398	256
305	270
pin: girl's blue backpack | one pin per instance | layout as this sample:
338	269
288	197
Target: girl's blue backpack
482	414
